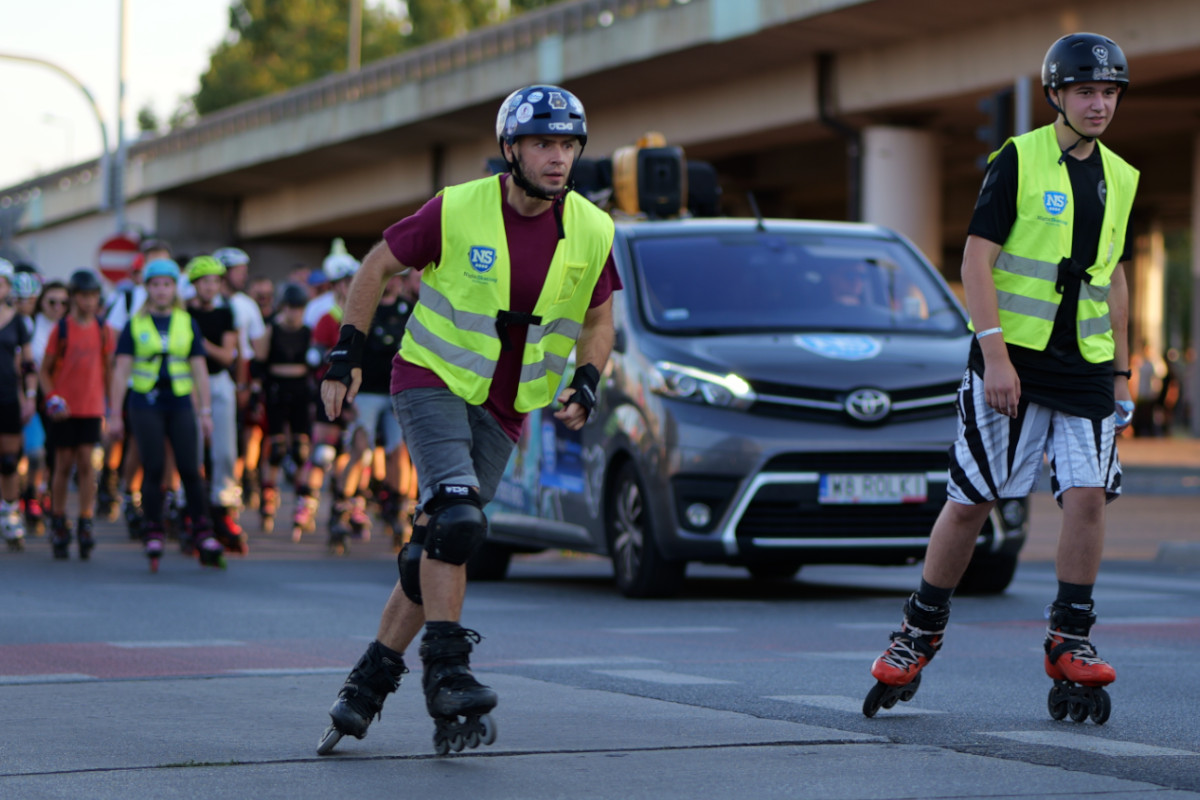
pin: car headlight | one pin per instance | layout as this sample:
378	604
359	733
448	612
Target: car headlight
688	383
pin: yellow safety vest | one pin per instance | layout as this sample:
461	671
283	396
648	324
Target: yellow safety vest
1026	271
148	352
453	328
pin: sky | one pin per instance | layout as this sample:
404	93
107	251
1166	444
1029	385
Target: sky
48	123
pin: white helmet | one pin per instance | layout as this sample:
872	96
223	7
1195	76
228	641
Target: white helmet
339	264
231	256
6	269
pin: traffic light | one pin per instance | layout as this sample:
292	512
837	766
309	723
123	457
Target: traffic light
998	127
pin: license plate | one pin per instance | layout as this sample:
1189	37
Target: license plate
879	489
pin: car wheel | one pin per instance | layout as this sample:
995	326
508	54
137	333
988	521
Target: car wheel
988	573
639	568
489	563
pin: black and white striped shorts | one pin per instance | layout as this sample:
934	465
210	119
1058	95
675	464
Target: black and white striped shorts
996	456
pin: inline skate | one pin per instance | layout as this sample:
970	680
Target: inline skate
339	528
60	537
304	519
360	520
229	533
135	521
11	527
458	703
267	506
35	513
1079	674
360	700
84	536
898	671
209	551
153	544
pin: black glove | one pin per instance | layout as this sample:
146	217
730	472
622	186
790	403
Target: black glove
586	379
346	355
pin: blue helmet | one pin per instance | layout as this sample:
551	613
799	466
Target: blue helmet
161	268
541	109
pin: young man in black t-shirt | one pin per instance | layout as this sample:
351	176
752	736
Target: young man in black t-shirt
1047	371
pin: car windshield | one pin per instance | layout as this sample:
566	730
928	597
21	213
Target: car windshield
721	283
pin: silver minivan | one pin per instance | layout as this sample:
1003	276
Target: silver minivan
780	393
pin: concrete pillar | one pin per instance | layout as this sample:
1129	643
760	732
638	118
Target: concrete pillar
1146	285
901	185
1192	366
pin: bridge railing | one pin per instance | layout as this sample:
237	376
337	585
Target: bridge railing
436	58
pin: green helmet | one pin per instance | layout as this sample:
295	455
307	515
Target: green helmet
202	266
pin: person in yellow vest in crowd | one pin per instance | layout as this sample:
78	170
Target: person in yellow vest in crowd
162	349
516	271
1048	371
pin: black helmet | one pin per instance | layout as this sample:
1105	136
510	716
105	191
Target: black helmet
293	296
83	280
1080	57
540	109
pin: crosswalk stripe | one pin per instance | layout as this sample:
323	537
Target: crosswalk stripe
1090	744
850	705
682	629
659	676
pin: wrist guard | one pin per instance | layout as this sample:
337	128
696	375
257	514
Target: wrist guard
346	355
586	379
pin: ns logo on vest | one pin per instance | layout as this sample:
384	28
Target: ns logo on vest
482	258
1055	202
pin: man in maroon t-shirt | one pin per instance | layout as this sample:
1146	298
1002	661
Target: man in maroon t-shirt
460	448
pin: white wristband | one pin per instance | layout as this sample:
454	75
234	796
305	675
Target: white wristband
988	332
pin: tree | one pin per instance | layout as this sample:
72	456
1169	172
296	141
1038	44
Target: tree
274	45
147	119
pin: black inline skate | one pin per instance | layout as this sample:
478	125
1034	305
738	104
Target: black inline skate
209	551
898	671
339	527
60	537
458	703
229	533
153	544
134	519
85	537
360	700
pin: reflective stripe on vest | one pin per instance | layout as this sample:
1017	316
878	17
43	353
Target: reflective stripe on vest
148	352
1026	271
452	330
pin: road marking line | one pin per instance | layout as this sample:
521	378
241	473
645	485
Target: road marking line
288	671
678	630
177	643
659	676
62	677
850	705
1090	744
583	661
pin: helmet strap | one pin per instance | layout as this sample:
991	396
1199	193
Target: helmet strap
1067	122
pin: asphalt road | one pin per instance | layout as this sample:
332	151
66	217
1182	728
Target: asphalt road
200	683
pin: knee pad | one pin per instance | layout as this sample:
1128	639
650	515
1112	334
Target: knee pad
409	564
276	454
8	463
457	526
323	456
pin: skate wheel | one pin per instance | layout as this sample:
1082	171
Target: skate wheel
472	738
874	700
910	690
457	741
1056	702
441	745
329	740
489	729
1101	706
1078	711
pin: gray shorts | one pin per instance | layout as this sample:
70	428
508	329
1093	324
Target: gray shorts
996	456
451	441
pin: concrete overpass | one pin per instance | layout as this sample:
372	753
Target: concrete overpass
767	90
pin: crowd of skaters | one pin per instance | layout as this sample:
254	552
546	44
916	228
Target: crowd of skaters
186	396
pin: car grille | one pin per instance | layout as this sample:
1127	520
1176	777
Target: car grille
786	401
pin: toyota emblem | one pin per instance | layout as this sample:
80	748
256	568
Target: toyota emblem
868	405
